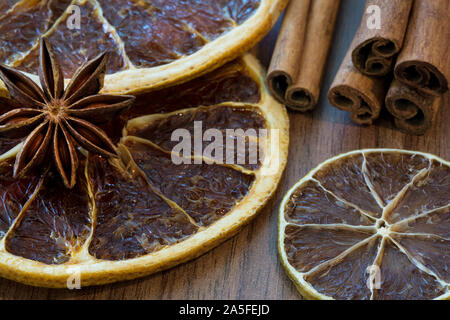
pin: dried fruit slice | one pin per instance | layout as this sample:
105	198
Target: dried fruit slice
369	224
153	43
18	35
145	211
70	45
54	225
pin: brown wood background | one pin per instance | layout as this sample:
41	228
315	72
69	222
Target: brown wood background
247	266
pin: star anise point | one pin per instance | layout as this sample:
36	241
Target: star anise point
67	117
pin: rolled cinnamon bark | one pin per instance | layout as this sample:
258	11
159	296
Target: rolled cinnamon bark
304	92
361	95
424	62
288	50
376	48
414	111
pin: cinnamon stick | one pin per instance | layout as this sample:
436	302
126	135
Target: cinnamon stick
377	45
357	93
304	93
414	111
285	60
424	62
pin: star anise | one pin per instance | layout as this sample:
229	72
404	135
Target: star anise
57	121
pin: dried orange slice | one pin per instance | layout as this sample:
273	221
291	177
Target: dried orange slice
369	224
153	43
146	212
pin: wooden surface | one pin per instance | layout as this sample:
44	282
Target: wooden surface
247	266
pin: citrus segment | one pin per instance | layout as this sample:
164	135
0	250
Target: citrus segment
132	220
231	82
14	194
347	276
309	246
140	26
220	117
435	222
55	223
402	279
430	251
77	46
238	125
153	44
7	5
208	18
313	205
346	180
430	191
205	191
18	35
389	173
402	207
239	10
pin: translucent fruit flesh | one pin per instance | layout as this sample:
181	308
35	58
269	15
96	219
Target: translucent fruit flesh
139	34
371	224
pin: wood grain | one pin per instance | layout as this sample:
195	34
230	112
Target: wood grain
247	266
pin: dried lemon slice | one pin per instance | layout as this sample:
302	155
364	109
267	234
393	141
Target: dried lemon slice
151	43
369	224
